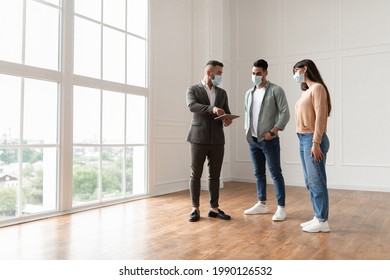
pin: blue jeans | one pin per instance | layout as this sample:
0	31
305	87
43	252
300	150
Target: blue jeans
262	152
315	175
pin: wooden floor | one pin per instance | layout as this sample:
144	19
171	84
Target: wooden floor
157	228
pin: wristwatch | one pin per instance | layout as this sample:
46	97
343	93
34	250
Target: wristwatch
272	134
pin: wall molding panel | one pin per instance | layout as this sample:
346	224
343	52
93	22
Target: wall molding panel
352	55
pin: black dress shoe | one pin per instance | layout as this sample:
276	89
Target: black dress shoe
194	216
220	215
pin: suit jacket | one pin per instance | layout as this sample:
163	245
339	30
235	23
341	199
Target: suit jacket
204	129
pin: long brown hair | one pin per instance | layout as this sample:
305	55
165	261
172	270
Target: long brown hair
314	75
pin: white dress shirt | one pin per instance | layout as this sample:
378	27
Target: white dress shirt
210	93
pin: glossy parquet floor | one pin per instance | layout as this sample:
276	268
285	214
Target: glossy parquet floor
157	228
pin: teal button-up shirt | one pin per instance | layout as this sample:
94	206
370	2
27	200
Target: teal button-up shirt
274	111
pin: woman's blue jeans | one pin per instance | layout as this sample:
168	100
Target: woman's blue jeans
262	152
315	175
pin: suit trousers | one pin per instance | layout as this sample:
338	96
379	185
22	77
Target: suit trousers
214	155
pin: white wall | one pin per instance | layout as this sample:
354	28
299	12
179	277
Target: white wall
171	67
350	42
185	34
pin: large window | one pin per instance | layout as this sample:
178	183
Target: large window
101	100
29	146
109	125
109	149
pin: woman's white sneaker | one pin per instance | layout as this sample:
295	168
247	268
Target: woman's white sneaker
258	208
317	226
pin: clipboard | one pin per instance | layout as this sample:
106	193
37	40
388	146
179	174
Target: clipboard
227	117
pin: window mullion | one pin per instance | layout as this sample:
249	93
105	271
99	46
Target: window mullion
20	153
24	33
66	112
100	176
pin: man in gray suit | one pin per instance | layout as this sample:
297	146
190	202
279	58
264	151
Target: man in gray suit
207	101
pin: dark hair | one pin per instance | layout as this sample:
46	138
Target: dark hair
314	75
215	63
261	63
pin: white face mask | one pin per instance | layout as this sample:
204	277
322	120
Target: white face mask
217	80
299	78
257	80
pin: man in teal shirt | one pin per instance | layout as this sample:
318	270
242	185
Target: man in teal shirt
266	113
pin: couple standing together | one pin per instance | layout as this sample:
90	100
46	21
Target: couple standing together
266	113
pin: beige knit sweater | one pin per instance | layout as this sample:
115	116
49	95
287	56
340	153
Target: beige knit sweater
311	112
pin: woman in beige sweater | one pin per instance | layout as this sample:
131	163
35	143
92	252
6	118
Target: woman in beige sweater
311	114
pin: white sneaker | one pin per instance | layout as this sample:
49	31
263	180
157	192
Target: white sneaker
308	222
258	208
279	215
317	226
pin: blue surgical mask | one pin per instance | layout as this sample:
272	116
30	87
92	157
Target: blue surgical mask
257	80
217	80
299	78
